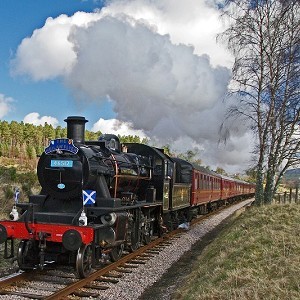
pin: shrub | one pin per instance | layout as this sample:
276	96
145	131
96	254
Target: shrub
8	192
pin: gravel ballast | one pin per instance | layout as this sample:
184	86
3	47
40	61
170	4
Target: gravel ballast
133	285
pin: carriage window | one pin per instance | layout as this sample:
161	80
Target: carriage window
201	181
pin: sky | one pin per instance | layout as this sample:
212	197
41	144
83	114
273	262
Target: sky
146	67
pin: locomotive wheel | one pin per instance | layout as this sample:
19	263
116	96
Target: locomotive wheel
135	234
84	261
147	232
26	257
116	253
134	239
21	256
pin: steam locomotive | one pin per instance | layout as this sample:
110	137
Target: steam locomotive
100	198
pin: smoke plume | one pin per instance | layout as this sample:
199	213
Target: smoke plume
157	61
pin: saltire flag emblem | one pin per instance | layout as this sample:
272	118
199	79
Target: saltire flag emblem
89	197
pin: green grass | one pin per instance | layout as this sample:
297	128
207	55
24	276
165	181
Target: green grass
257	256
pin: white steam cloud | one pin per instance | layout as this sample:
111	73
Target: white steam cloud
157	61
151	81
189	22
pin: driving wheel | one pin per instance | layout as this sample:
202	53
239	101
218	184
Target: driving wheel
84	261
116	252
147	231
26	256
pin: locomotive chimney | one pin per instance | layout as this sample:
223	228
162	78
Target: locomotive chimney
76	128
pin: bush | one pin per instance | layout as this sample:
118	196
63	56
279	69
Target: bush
28	178
12	174
8	192
26	188
8	174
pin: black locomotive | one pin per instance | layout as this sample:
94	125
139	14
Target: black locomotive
94	199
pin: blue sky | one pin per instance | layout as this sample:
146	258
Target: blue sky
18	19
146	67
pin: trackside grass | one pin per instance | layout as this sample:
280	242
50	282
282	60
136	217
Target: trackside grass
256	256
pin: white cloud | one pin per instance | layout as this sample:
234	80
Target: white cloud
157	61
6	105
189	22
116	127
35	119
48	53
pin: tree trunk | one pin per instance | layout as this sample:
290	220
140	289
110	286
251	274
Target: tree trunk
269	188
259	191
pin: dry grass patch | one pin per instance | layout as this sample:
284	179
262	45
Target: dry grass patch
255	257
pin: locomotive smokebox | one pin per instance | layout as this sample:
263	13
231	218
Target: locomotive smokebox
76	128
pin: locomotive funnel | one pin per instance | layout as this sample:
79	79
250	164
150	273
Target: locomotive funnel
76	128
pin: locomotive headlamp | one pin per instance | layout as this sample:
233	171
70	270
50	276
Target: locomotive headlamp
72	240
82	219
14	215
109	219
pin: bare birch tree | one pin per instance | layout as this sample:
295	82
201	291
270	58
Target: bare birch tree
264	39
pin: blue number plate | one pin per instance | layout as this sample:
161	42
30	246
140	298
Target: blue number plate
61	163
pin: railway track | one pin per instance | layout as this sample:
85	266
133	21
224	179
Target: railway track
96	281
51	284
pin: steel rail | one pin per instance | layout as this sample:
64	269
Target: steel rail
14	278
127	258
